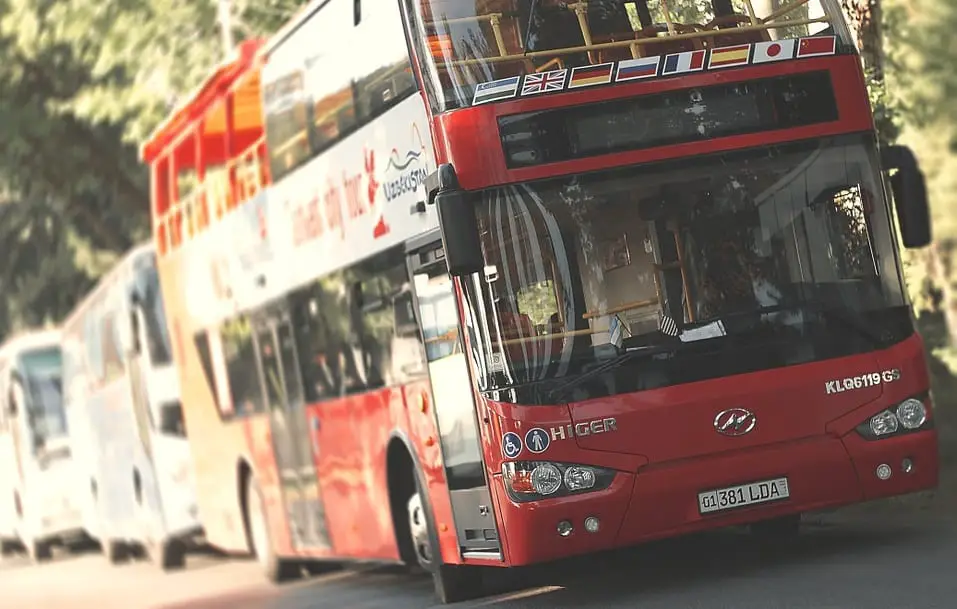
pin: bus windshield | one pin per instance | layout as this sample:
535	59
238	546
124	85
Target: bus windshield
41	372
789	245
464	43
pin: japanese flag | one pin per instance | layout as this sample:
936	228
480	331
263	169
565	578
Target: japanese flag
776	50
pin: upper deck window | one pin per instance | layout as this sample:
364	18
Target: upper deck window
318	89
463	43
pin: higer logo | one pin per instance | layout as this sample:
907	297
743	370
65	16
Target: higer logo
735	422
584	428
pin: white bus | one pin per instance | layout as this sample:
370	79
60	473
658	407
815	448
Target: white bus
37	510
123	403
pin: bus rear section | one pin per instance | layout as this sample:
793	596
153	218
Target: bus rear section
38	509
124	400
675	250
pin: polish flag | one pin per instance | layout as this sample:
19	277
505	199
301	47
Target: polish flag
776	50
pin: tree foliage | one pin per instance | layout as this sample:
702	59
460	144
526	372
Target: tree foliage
83	83
920	53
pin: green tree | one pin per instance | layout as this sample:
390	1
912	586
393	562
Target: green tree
920	55
83	84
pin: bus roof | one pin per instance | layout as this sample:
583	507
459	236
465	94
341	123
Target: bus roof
197	104
108	279
291	26
29	339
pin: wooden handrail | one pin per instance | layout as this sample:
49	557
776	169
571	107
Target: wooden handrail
635	304
629	43
541	337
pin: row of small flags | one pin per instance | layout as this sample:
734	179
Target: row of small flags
650	67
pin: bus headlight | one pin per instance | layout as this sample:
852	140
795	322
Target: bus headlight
910	415
579	478
883	423
546	478
535	480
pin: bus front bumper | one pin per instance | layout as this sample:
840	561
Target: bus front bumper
662	500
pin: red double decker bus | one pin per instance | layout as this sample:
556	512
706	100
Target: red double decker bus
643	279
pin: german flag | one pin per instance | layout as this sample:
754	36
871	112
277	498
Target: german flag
587	76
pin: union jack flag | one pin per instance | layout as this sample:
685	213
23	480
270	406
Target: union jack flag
544	81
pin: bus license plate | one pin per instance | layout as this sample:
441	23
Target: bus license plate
744	494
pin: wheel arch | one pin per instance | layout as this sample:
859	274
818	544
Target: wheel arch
244	472
403	469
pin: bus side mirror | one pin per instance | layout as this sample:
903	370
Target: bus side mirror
459	226
910	195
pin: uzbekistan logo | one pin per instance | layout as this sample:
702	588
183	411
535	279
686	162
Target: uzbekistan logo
403	174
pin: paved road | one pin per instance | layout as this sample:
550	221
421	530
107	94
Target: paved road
900	559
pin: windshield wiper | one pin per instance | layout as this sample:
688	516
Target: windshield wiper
614	362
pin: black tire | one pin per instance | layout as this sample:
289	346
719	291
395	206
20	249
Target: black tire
276	570
169	554
316	567
115	551
39	551
453	583
778	529
8	548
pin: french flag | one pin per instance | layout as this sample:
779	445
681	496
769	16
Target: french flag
679	63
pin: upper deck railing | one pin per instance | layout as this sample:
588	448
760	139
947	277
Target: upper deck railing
211	199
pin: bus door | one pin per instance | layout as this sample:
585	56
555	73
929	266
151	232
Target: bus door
454	403
292	443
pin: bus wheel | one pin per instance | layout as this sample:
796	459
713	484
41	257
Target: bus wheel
275	569
8	547
115	551
168	554
776	529
39	551
453	583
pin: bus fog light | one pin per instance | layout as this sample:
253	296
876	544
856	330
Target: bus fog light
579	478
546	479
907	466
592	524
883	471
912	413
564	528
884	423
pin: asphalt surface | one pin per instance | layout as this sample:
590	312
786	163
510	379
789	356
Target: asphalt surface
901	557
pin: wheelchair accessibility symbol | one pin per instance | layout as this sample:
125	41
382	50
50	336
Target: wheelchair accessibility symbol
511	445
